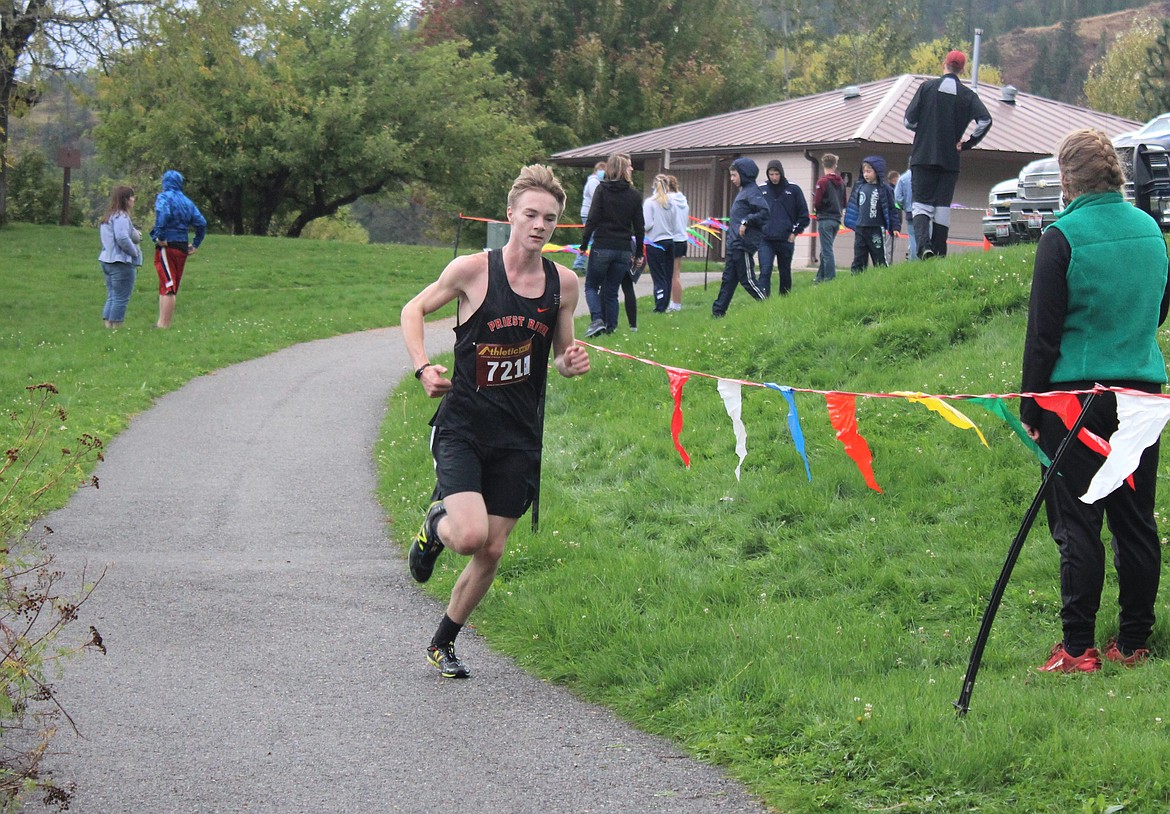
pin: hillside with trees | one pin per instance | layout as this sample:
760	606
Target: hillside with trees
1054	60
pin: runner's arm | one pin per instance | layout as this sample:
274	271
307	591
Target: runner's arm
451	286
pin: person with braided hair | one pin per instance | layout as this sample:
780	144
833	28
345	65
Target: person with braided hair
1093	319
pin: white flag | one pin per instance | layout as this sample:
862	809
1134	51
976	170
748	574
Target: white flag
732	393
1140	420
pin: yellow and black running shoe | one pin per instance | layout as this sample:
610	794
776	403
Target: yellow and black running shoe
447	662
426	547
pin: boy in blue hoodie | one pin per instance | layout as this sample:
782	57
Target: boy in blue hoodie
870	214
749	212
175	216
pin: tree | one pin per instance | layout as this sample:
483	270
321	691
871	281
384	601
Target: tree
927	58
599	68
1112	86
873	46
279	113
1154	80
41	37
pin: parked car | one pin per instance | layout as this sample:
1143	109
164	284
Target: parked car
997	222
1037	199
1155	131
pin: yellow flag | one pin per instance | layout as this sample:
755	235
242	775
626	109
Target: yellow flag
948	412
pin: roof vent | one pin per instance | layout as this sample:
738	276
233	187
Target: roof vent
1007	94
851	92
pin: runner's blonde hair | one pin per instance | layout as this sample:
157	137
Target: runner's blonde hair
537	176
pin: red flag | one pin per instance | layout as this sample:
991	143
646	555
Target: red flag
678	378
843	417
1068	407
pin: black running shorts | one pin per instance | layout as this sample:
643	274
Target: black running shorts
507	478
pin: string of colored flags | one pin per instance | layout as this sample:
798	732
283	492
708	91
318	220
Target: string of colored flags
1141	418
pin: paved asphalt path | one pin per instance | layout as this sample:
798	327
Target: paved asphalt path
266	644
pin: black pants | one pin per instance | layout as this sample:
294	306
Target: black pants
781	250
661	262
737	270
1076	528
868	244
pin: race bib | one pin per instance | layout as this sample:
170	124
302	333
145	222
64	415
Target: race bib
500	365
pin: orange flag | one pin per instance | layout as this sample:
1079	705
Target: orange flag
843	417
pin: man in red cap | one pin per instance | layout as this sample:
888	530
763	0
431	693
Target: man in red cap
939	114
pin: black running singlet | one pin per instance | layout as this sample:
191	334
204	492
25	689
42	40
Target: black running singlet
501	363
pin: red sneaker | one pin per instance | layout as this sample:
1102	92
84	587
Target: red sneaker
1059	661
1114	654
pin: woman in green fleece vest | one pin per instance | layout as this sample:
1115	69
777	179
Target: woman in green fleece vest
1099	293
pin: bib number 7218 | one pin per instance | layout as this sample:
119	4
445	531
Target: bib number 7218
502	365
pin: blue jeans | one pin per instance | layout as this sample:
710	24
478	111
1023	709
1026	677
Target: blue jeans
827	237
119	286
603	277
581	259
781	250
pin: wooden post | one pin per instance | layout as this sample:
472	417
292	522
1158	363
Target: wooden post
68	158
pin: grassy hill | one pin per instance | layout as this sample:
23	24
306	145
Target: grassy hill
813	636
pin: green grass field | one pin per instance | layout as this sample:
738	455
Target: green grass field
810	637
813	637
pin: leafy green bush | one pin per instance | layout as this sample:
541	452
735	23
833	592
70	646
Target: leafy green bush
34	191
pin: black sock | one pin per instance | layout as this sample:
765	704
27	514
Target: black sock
446	633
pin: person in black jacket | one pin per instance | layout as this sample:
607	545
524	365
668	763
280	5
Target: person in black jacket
745	222
615	218
939	114
788	218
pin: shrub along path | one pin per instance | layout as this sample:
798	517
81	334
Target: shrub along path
266	645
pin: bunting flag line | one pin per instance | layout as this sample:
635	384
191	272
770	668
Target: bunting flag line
843	417
1139	424
1146	416
732	394
678	378
794	425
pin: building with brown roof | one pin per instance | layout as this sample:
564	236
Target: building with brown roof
855	122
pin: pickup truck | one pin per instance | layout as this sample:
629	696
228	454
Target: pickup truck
997	222
1038	199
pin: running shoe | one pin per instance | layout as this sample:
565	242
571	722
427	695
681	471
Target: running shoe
595	327
447	662
1059	661
426	547
1116	655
